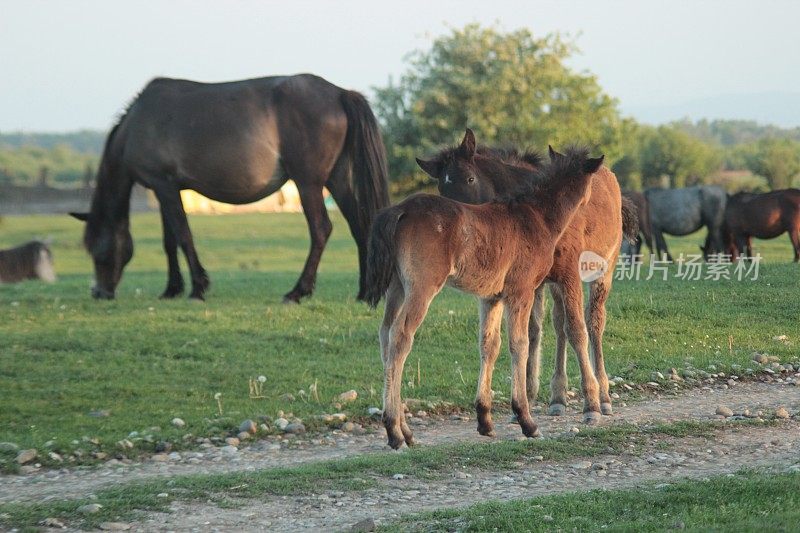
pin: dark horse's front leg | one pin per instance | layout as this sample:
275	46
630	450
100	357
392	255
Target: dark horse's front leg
176	231
319	229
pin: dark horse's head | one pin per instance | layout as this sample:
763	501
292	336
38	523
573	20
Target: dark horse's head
111	247
471	174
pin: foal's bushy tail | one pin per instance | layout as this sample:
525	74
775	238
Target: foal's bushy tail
368	157
630	220
381	258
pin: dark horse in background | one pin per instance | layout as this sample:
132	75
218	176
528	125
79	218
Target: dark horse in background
684	211
475	174
236	142
764	216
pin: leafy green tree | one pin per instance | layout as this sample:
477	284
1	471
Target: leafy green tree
777	160
511	88
668	153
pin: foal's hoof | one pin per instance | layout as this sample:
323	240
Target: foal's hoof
557	409
606	408
592	418
395	442
486	431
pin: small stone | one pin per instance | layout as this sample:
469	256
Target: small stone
782	413
163	446
581	465
100	413
363	526
615	396
657	376
53	522
538	458
349	396
178	423
724	411
288	397
175	456
229	449
125	444
162	495
348	427
114	526
547	518
8	447
26	456
731	382
232	441
374	411
461	475
760	358
295	427
160	458
398	476
248	426
574	430
55	457
90	508
100	455
598	466
244	435
281	423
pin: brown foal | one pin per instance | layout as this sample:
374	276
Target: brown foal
500	252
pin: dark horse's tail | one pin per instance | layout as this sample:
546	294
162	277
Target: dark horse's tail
630	220
368	156
381	254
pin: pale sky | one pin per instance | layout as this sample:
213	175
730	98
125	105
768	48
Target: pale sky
66	65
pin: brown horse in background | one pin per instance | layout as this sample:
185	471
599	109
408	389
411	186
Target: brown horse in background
764	216
484	174
500	252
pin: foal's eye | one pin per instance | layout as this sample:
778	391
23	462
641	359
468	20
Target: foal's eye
471	179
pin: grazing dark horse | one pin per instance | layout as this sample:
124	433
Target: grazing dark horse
644	233
500	252
32	260
764	216
684	211
477	175
236	142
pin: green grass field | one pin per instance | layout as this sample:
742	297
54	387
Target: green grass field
145	361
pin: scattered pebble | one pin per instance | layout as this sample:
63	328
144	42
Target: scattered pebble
782	413
26	456
724	411
114	526
248	426
348	396
296	427
281	423
178	423
90	508
398	476
363	526
232	441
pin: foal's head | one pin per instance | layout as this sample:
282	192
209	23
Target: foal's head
476	174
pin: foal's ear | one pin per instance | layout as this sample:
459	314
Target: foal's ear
553	154
468	145
431	167
83	217
590	166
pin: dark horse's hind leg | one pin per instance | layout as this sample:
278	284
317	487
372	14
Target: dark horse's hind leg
341	191
319	229
174	280
176	224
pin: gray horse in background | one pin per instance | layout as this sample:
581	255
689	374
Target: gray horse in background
684	211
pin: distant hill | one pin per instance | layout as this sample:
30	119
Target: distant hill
733	132
780	109
89	142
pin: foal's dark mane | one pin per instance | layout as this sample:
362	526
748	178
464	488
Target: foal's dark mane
552	178
505	154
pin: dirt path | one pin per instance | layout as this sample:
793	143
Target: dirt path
768	446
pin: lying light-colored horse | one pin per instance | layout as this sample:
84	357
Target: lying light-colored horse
32	260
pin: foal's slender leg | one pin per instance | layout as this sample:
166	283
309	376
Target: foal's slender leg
400	339
319	229
575	328
559	381
518	313
175	217
174	279
491	311
596	322
535	348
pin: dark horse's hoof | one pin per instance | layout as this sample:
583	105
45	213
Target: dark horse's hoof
171	293
291	299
